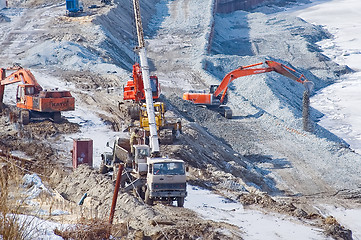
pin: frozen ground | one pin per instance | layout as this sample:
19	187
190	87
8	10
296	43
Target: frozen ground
265	135
350	218
255	224
40	229
340	102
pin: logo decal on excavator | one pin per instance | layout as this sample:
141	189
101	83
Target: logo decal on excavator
61	104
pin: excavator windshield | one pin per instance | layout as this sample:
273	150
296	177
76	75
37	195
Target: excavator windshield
29	90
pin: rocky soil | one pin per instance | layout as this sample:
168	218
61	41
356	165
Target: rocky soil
261	158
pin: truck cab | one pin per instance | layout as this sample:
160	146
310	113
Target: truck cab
153	179
166	181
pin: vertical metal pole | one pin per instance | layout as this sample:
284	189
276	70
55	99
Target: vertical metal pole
115	195
2	87
306	111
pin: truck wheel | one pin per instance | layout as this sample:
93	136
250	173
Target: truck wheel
147	198
57	117
180	201
25	117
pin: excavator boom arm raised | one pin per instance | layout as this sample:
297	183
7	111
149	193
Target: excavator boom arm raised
237	73
21	75
248	70
287	72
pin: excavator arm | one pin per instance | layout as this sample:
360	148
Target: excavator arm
20	75
287	72
248	70
237	73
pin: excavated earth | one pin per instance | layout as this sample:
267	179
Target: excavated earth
261	158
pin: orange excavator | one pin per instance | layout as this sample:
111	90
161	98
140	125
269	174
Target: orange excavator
134	90
32	99
215	100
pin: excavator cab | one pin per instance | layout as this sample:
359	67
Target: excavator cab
213	88
24	90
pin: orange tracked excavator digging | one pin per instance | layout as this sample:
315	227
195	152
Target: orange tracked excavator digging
215	100
33	101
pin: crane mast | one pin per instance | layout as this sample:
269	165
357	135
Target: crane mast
153	137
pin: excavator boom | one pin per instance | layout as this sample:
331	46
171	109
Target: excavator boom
21	75
31	96
247	70
237	73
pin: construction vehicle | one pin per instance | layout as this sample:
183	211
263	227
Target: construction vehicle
73	7
151	176
32	99
168	128
216	101
133	93
133	105
134	89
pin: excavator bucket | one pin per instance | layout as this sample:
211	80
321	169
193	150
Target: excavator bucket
309	86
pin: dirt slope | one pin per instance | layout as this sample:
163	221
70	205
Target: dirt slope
262	150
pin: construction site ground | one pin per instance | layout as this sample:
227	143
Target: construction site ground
261	158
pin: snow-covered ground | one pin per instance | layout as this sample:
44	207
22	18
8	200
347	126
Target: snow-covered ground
40	229
350	218
341	102
254	224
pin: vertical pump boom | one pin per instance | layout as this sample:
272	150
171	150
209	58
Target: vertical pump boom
153	137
